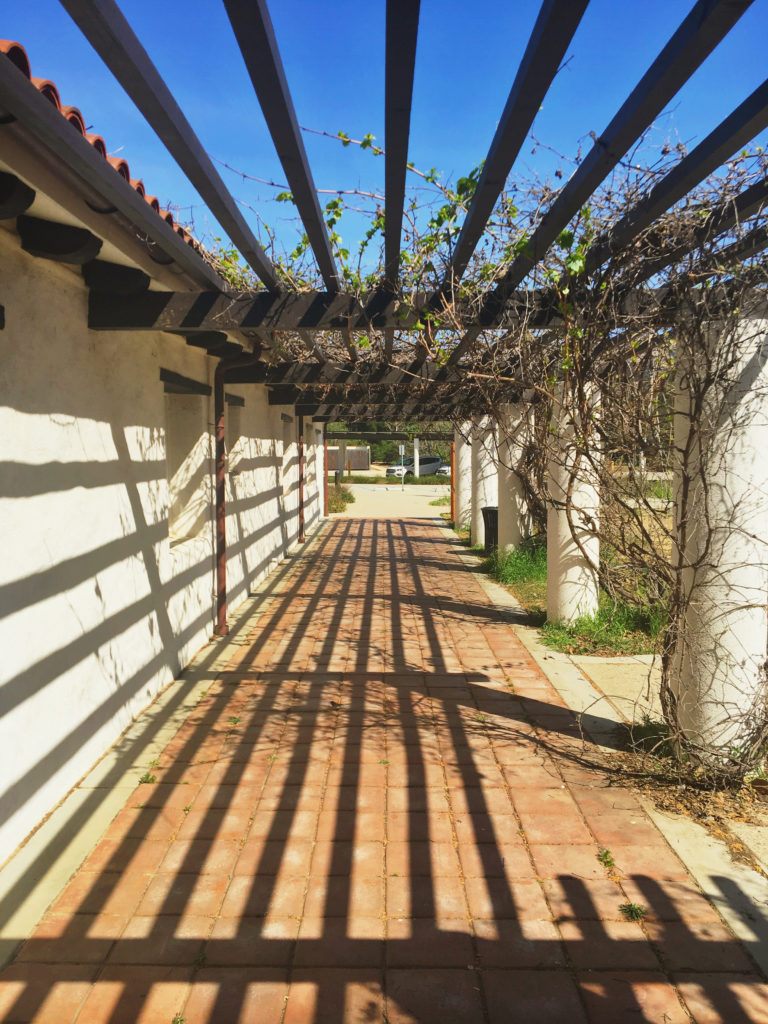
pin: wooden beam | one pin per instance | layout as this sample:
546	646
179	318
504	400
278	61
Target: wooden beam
176	384
114	277
554	29
107	30
722	218
60	242
255	35
15	196
706	24
35	115
732	134
319	311
401	32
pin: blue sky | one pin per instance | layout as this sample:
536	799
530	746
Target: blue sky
334	58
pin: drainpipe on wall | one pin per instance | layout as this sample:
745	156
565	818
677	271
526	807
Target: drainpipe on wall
221	628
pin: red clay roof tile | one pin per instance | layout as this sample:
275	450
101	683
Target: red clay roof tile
16	53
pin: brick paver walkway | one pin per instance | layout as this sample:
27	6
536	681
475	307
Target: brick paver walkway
379	813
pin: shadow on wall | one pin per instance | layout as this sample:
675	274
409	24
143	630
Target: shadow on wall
101	609
343	822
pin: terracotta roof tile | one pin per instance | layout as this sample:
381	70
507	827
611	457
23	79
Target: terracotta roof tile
16	53
75	118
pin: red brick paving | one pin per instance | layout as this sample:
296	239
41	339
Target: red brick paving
379	812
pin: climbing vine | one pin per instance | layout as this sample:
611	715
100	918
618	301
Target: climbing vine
594	345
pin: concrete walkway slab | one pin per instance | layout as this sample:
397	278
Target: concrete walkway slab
395	501
377	809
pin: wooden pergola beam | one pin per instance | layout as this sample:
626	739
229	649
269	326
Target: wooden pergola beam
554	29
704	27
255	35
295	311
739	128
105	27
34	115
401	31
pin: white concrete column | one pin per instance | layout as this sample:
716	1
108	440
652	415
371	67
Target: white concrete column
717	674
463	475
513	432
485	477
342	458
416	456
573	547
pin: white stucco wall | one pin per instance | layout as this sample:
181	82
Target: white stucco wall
98	610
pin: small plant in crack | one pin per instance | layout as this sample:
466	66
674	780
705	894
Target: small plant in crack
178	1019
233	720
481	717
633	911
147	777
606	858
384	761
154	762
187	809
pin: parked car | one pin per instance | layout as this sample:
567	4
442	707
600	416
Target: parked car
428	466
444	470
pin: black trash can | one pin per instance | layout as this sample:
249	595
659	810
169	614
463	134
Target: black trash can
491	522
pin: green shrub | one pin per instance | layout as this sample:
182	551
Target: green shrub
339	497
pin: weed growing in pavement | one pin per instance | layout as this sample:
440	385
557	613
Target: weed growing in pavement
633	911
146	777
606	858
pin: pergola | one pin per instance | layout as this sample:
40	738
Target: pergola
396	374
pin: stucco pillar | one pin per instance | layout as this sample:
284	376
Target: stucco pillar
513	431
485	477
342	457
416	456
717	671
463	475
573	547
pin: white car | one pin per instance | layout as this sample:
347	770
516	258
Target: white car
428	466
